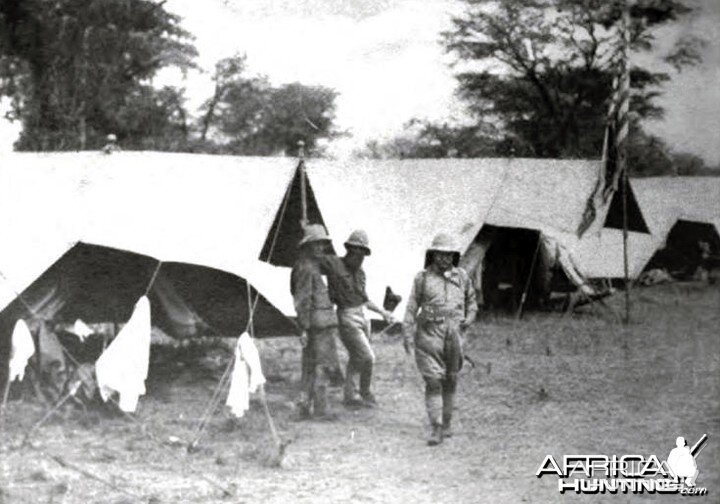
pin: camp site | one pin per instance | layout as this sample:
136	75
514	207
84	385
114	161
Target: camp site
437	251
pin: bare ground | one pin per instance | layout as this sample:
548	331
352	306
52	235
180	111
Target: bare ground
544	385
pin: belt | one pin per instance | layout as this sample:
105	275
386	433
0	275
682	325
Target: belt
437	315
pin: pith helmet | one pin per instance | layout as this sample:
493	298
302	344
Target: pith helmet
442	242
359	239
314	233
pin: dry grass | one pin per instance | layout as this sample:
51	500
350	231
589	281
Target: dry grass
543	385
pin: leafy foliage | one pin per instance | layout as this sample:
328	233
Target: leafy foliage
252	117
77	70
542	69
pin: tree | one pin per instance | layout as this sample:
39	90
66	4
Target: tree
687	164
292	113
74	67
541	70
151	119
424	139
251	117
648	155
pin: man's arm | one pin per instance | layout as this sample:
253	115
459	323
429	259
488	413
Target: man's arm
369	304
381	311
302	288
471	307
411	313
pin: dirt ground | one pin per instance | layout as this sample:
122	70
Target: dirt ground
546	384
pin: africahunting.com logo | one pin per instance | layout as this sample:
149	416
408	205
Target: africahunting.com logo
637	474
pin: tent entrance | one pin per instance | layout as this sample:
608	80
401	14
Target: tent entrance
689	244
504	262
280	247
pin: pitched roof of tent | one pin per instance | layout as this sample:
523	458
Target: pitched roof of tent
199	209
668	199
402	204
224	212
663	200
544	194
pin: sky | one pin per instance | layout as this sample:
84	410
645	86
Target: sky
385	60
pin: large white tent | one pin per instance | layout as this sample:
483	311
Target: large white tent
226	212
205	210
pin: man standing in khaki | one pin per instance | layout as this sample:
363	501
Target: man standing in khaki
317	319
346	280
441	306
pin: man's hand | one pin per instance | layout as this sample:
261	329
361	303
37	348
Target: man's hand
303	339
388	317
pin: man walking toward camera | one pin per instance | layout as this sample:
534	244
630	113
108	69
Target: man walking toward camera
441	306
346	281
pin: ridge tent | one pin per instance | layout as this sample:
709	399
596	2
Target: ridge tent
600	250
402	204
210	211
682	211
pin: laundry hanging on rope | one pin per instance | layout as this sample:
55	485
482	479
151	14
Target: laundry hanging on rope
22	348
123	366
247	376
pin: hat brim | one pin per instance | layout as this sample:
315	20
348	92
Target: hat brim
358	246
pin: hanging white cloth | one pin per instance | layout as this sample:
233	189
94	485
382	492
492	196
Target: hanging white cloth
123	366
247	375
22	348
81	330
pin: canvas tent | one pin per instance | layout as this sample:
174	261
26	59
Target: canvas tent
682	211
550	197
601	250
402	204
208	215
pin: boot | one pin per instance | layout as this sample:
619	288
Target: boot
436	435
447	431
447	408
368	400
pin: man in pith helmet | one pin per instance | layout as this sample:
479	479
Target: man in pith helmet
317	319
346	280
441	306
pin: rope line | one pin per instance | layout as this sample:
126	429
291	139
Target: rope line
212	403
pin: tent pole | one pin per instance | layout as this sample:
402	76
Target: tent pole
626	268
303	188
624	154
518	316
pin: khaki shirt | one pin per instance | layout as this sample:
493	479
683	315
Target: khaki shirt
450	295
347	287
310	296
